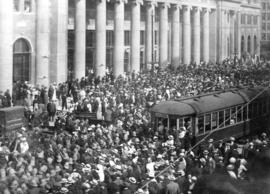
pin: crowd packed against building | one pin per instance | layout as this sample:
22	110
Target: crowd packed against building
122	153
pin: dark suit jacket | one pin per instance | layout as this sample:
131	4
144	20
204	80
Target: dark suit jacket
51	108
172	188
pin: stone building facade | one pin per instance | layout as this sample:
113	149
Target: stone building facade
265	24
44	40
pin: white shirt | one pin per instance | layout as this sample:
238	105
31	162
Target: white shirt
150	169
24	147
101	172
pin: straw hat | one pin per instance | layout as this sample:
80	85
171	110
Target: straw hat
132	180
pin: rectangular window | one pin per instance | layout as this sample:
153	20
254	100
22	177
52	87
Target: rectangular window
255	109
260	108
227	117
250	111
214	120
268	109
264	26
221	119
264	6
109	38
268	26
156	37
207	122
201	125
268	16
239	114
268	36
141	57
142	37
233	116
127	38
264	106
16	5
249	19
263	16
90	38
245	113
27	6
255	20
243	19
263	36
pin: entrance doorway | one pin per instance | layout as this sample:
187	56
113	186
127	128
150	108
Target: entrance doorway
21	60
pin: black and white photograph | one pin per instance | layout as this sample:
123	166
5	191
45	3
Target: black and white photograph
134	96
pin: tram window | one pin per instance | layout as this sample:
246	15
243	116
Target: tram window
250	111
245	113
268	106
227	117
207	122
188	124
239	114
181	122
255	110
233	116
214	120
172	123
264	107
221	119
201	124
260	111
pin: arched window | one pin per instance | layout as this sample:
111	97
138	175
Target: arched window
21	60
249	45
242	44
255	44
27	6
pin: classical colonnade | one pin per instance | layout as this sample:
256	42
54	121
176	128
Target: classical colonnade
118	53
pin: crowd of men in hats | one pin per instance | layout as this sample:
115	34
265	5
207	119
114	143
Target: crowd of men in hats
124	154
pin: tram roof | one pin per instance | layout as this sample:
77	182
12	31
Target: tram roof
215	102
173	108
250	93
209	102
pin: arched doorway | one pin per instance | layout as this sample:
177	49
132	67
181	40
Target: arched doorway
249	45
242	44
255	44
21	60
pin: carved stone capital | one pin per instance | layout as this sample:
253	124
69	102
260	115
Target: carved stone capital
196	9
176	6
164	5
186	7
121	1
137	2
151	4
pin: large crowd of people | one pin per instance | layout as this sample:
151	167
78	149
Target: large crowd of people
120	152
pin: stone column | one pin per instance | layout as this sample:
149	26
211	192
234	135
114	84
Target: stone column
100	68
6	46
206	35
59	28
175	35
197	35
21	5
118	52
245	43
232	33
150	21
252	44
186	35
80	38
42	42
135	35
238	36
163	34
